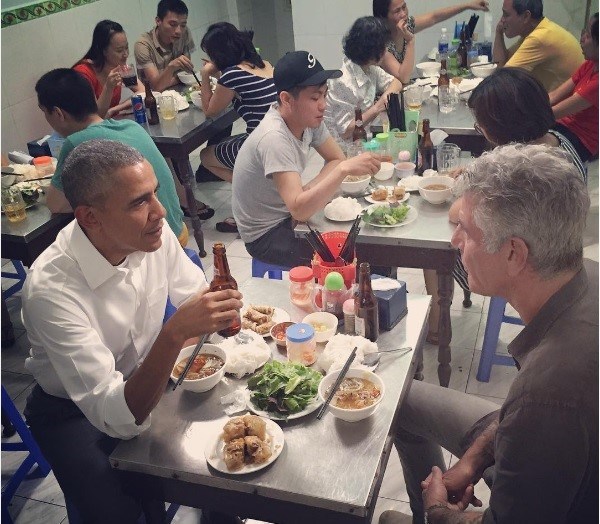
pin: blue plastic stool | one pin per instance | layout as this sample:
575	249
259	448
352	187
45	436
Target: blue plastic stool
259	269
489	357
27	444
170	308
19	276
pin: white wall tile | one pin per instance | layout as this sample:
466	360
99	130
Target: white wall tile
10	135
30	122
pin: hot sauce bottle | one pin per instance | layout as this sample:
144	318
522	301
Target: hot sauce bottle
223	280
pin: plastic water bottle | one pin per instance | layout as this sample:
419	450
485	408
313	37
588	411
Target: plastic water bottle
443	44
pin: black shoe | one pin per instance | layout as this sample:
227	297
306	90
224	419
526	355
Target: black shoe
204	175
204	212
227	226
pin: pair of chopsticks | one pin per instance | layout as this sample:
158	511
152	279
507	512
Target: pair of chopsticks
347	251
395	111
315	239
197	349
338	381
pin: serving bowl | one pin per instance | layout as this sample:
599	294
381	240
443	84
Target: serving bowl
187	78
385	171
436	196
352	415
201	384
318	320
355	187
278	333
482	71
428	68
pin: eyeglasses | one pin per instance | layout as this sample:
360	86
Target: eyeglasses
477	128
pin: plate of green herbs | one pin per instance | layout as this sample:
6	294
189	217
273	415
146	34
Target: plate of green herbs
386	215
284	390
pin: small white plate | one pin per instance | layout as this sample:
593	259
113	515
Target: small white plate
214	450
280	315
410	183
373	201
411	216
312	406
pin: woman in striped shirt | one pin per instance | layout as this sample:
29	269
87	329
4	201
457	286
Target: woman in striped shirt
245	80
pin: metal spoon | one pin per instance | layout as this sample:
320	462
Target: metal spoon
372	359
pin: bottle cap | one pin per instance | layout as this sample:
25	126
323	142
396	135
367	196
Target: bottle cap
42	160
301	274
382	137
300	332
334	281
348	307
371	146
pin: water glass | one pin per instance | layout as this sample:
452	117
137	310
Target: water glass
448	158
129	75
446	99
13	204
166	107
413	97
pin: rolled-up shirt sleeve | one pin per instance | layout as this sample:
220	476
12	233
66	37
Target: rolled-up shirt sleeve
87	366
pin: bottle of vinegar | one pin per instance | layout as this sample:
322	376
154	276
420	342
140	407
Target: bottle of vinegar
366	319
223	280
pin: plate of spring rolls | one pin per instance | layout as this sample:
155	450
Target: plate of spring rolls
261	318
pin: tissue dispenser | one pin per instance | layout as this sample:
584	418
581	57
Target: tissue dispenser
392	305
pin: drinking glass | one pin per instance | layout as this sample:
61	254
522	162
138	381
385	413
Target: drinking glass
13	205
129	75
446	99
166	107
448	158
413	98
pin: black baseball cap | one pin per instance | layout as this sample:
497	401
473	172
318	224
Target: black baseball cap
300	69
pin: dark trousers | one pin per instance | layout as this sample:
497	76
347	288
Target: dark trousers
78	454
583	152
280	246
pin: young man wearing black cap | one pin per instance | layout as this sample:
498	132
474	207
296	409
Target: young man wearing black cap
269	196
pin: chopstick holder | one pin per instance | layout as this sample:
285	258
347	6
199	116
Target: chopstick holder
337	383
197	349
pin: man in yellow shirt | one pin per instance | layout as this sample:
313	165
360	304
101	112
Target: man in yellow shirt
545	49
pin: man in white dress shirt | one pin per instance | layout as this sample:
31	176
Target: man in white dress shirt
93	306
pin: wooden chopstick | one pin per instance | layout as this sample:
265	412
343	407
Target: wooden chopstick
197	349
337	383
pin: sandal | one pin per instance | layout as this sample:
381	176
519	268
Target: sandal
227	226
204	212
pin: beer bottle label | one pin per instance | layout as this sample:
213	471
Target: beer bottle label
216	272
359	326
359	123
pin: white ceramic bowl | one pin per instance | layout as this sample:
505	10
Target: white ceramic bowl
187	78
404	169
482	71
8	180
322	317
428	68
355	187
436	196
352	415
196	100
385	171
202	384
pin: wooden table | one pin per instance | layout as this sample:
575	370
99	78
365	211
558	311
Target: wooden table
330	471
425	243
177	138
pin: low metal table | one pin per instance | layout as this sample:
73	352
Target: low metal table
329	471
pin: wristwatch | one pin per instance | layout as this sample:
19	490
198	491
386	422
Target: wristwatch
432	508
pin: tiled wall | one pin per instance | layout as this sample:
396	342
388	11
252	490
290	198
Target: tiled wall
320	25
32	48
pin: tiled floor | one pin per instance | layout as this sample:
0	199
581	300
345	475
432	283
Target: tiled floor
42	500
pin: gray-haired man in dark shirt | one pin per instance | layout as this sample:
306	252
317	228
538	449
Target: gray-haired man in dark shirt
520	234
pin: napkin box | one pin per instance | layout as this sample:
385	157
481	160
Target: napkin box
392	305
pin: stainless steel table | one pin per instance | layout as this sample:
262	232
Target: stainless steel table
425	243
329	470
177	138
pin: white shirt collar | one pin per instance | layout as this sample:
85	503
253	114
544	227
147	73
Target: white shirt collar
356	72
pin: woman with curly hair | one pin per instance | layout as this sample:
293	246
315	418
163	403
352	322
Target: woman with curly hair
399	59
362	78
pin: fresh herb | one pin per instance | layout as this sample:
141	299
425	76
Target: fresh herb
284	388
385	215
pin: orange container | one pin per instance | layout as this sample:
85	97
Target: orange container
334	240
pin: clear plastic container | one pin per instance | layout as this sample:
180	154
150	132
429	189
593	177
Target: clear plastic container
302	287
43	165
301	344
383	146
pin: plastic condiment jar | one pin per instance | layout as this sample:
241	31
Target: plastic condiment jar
301	344
43	165
349	327
334	294
301	287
